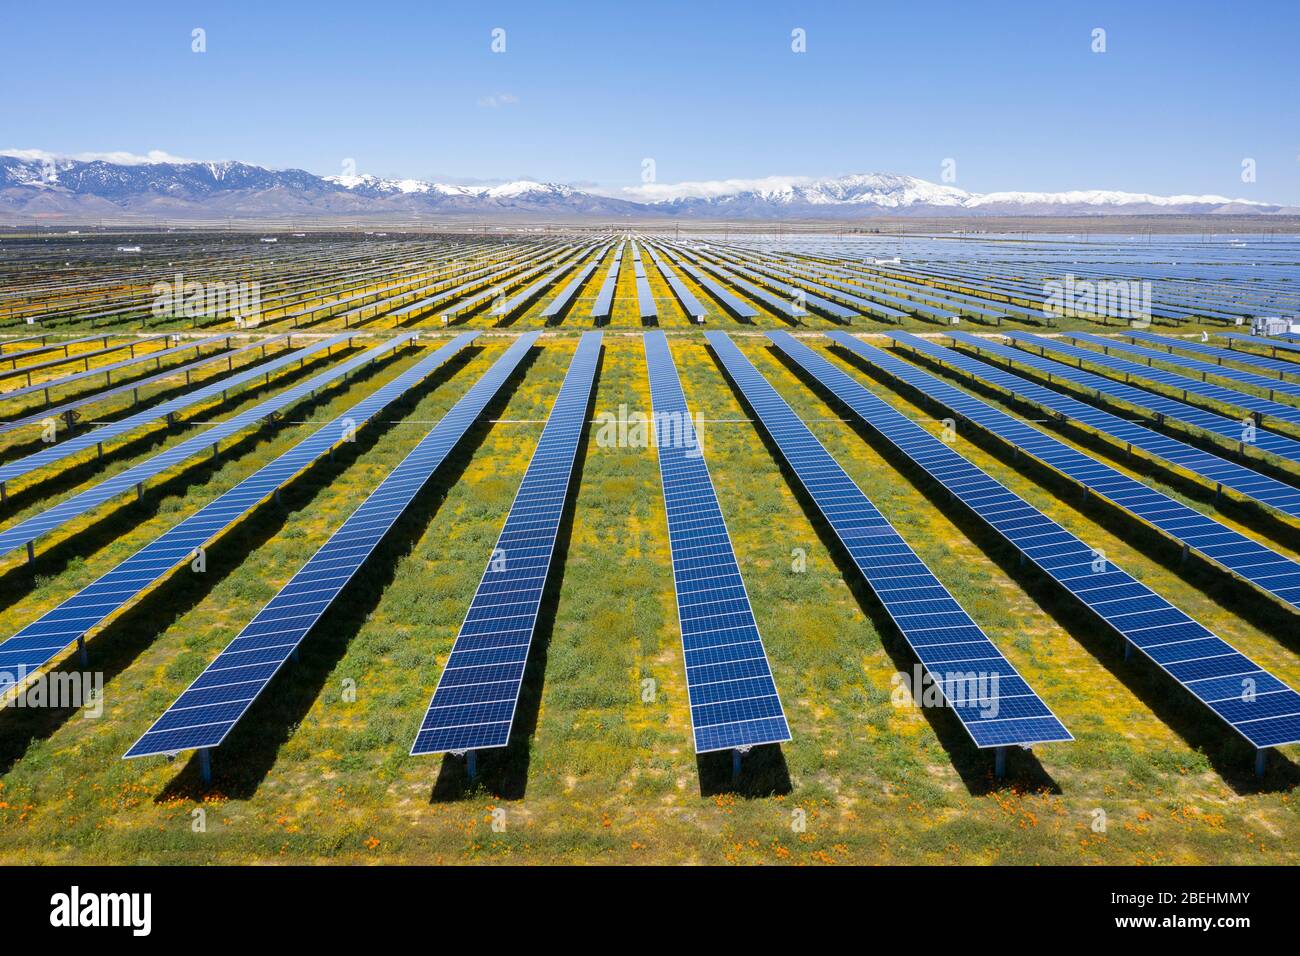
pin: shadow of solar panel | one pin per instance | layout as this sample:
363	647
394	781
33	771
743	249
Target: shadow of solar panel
474	704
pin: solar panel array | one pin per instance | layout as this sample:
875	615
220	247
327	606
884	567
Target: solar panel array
473	706
1278	346
1167	408
1244	557
1261	407
64	409
204	715
1279	367
733	698
999	708
604	303
96	437
1245	481
1272	386
83	357
39	642
1252	701
28	531
107	371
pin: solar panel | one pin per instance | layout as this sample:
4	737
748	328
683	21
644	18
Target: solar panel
1244	481
1162	407
39	642
108	370
1242	556
521	299
1285	345
208	710
28	531
733	698
600	309
688	301
13	358
97	437
788	308
1277	366
1272	386
1261	708
948	642
83	357
645	300
473	706
732	303
801	297
65	408
1261	407
566	295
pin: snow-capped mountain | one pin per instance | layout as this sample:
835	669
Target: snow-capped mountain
33	184
882	193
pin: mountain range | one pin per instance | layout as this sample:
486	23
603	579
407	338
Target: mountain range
69	189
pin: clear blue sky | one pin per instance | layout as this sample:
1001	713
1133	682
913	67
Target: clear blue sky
584	92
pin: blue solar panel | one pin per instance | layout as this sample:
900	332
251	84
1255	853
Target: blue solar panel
64	409
802	294
1279	367
1230	428
1244	557
1255	703
206	713
734	703
473	706
566	295
1261	407
96	437
28	531
786	307
68	358
691	304
1281	346
1190	366
605	297
13	358
1218	471
39	642
107	371
928	616
732	303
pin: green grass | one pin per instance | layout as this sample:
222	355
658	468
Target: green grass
603	774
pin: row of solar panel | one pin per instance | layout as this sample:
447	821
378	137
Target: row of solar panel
731	705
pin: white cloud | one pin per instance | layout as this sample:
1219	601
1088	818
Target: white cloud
498	99
706	189
120	157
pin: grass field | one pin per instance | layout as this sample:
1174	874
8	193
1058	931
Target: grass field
602	768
